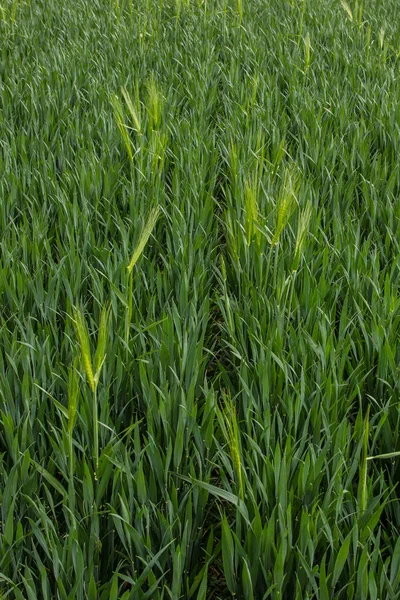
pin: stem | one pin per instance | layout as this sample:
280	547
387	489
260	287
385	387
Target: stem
129	309
275	273
71	490
95	434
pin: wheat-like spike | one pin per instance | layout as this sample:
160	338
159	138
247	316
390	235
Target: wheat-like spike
307	49
240	10
144	237
101	342
381	37
347	9
83	338
155	101
232	429
302	229
119	117
286	203
233	161
251	210
132	110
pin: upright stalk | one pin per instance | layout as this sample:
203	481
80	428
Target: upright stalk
95	434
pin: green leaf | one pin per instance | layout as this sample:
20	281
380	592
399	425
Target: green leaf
341	559
92	589
202	593
228	555
52	480
247	582
381	456
9	525
220	493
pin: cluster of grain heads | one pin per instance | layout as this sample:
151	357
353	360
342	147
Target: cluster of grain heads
93	369
149	143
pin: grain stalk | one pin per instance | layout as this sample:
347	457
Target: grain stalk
14	8
142	241
93	373
134	111
73	395
251	211
120	119
240	10
230	427
362	490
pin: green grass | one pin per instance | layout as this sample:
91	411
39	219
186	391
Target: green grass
199	300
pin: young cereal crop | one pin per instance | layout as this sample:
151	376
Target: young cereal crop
199	300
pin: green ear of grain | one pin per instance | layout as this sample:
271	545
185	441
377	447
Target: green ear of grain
14	8
101	342
240	10
302	230
120	119
134	113
286	202
347	8
84	344
154	102
307	51
230	427
144	237
251	211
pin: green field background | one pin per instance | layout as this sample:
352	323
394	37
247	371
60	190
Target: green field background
199	300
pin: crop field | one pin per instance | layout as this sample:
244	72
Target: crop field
199	300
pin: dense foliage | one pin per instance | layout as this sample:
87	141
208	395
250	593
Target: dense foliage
199	299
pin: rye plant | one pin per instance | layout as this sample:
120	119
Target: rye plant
91	368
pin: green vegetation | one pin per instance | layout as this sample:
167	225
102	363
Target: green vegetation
199	300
